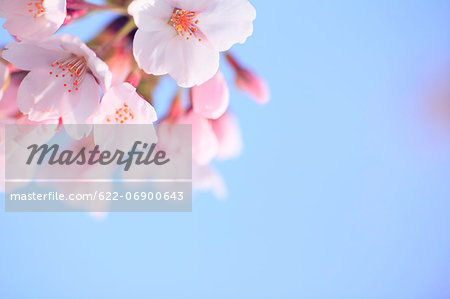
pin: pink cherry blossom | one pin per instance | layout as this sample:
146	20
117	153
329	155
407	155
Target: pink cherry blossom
228	135
183	38
212	97
64	79
204	141
123	105
32	19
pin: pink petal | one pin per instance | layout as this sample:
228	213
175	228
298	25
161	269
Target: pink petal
212	97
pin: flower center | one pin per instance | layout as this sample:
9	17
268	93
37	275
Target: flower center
36	7
185	23
70	71
122	115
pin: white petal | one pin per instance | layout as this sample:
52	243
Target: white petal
42	97
55	11
192	5
101	72
30	55
150	15
226	23
8	7
71	44
86	101
191	62
149	50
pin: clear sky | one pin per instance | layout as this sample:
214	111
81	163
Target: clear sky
342	190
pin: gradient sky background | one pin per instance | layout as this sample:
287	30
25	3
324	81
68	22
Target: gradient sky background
342	190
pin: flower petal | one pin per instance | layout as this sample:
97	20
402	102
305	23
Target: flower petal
150	15
192	5
42	55
37	94
226	23
87	101
55	11
212	97
191	62
149	50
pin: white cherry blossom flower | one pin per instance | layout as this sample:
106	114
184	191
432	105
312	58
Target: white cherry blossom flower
64	80
32	19
122	105
183	38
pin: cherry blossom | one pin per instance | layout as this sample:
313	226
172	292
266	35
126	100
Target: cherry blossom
32	19
204	141
183	38
123	105
212	97
64	79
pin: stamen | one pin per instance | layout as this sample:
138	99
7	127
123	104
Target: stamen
185	23
36	8
71	70
121	115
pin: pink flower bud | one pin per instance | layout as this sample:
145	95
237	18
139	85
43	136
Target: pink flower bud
249	82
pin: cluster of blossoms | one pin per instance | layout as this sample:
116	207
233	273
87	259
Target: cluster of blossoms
52	78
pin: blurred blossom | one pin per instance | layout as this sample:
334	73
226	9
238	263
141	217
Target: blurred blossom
206	179
63	82
73	14
121	65
204	141
32	19
4	76
184	39
249	82
211	98
8	103
228	133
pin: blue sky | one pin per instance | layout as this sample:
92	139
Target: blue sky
341	192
